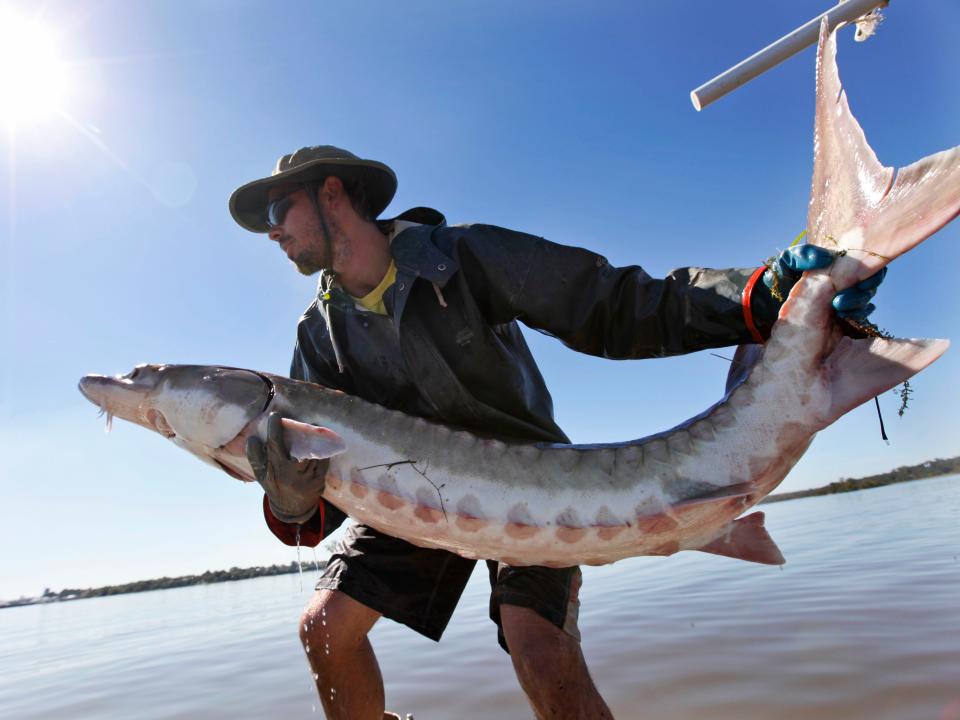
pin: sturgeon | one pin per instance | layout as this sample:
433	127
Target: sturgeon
561	505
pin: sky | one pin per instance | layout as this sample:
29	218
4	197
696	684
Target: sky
569	120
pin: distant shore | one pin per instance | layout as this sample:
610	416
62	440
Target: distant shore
908	473
207	578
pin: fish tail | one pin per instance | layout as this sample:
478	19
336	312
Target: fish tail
869	213
923	198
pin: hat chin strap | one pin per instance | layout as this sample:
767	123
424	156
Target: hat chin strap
312	190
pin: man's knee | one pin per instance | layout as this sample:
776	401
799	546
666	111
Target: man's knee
334	622
535	604
526	631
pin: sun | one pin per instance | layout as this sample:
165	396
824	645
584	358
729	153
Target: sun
33	78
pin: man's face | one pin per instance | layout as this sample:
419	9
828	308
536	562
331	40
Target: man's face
300	232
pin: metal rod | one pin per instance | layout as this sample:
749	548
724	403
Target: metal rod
779	51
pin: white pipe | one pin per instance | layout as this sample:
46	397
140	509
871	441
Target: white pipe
779	51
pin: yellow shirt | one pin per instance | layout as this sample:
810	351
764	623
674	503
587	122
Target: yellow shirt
373	301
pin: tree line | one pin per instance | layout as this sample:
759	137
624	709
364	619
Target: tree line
928	469
163	583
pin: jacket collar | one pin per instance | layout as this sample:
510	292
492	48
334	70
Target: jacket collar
412	250
416	255
420	215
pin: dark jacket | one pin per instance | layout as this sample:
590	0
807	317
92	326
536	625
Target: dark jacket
451	347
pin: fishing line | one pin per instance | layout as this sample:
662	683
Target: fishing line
844	251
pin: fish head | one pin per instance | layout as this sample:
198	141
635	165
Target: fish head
207	410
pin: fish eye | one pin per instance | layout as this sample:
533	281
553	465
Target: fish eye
133	374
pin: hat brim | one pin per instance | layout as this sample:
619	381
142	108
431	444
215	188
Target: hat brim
248	204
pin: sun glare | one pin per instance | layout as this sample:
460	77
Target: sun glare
33	78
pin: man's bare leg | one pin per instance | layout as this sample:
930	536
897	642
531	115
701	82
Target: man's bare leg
550	666
333	630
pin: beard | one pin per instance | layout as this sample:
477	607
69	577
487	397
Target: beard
310	260
318	255
309	266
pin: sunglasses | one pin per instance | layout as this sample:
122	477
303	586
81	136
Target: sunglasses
278	207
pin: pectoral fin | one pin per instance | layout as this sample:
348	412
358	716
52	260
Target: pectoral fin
746	539
310	442
722	495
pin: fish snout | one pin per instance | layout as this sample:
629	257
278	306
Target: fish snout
89	387
116	395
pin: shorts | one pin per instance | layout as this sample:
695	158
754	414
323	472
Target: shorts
421	587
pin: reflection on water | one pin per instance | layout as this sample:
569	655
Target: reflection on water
862	622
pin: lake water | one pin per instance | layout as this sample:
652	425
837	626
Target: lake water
862	622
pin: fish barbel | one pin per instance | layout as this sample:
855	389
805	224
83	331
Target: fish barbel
561	505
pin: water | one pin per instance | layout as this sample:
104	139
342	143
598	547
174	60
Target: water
862	622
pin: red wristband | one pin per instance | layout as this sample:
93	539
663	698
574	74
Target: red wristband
745	302
311	532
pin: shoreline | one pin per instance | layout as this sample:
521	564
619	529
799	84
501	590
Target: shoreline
210	577
908	473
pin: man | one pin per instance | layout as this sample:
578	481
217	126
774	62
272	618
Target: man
422	317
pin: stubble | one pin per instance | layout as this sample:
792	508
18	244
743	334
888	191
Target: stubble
326	238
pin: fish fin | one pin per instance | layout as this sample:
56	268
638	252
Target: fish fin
858	370
845	167
856	204
720	494
746	539
732	500
311	442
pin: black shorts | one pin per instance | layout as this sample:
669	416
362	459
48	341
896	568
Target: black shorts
420	587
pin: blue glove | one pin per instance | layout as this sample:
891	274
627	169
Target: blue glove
783	273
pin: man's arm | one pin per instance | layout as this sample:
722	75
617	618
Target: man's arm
307	365
293	506
578	297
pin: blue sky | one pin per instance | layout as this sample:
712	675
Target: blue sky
569	120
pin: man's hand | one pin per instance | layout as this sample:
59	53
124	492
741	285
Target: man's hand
293	488
786	269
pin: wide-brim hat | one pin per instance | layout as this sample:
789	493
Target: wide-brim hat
248	204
